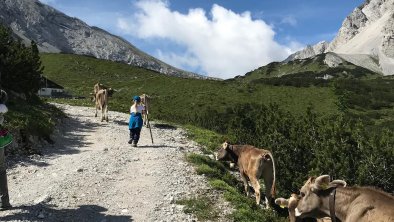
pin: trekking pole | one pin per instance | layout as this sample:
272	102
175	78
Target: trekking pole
150	127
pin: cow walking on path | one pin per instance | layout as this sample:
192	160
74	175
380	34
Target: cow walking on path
145	100
253	163
102	104
321	197
101	95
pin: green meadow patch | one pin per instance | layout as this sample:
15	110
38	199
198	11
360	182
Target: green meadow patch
202	207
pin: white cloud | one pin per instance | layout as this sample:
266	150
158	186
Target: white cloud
48	1
179	60
289	20
224	44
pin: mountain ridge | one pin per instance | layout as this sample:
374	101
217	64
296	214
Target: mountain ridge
55	32
367	31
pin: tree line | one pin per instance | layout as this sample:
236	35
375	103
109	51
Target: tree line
20	65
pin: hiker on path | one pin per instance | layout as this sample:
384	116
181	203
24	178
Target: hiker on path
136	122
5	140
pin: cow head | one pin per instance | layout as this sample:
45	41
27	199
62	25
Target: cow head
290	203
313	195
223	154
110	91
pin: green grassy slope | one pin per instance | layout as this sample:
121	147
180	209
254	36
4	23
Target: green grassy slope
314	66
173	97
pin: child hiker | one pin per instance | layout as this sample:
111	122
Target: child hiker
136	122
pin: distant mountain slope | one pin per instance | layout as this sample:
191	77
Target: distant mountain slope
366	36
322	66
56	32
309	51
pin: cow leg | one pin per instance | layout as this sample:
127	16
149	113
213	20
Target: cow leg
106	113
95	115
256	186
243	177
102	114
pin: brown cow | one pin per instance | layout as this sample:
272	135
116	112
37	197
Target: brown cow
97	87
102	103
291	204
100	98
253	163
145	100
319	196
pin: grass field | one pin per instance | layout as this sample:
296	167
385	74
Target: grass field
172	96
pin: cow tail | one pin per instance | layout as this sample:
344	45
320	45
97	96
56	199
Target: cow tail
273	188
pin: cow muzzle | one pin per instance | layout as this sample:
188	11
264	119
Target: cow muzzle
297	212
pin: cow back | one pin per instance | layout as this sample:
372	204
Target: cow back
145	99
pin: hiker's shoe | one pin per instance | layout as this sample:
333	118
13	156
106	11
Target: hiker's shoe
134	145
6	206
130	141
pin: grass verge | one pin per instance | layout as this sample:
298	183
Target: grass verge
31	119
202	207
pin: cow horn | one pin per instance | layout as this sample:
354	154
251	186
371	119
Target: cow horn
338	183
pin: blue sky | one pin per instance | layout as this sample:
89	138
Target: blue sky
221	38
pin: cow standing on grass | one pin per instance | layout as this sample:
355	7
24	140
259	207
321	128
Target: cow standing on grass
253	163
321	197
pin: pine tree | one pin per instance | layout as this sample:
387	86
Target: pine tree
20	66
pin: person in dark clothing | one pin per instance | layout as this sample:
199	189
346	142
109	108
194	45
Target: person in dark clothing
136	122
5	140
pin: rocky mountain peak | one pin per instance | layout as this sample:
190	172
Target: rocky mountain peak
55	32
368	32
309	51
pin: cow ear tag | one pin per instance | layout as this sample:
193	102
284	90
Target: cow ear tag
325	186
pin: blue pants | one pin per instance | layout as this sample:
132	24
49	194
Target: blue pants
135	134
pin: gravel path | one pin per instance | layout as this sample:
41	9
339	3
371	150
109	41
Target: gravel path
92	174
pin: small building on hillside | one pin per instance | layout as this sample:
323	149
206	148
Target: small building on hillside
50	89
